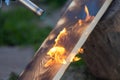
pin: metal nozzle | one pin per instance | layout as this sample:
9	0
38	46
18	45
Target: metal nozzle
32	6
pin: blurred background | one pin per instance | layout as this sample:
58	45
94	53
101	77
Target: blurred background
21	34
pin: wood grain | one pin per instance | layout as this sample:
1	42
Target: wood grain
74	31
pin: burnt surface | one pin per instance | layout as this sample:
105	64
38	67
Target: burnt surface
102	49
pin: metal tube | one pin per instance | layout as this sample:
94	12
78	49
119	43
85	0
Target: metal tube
0	3
32	6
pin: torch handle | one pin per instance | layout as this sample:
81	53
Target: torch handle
32	6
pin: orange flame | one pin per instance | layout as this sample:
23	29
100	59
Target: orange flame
88	17
58	53
87	11
62	33
81	50
76	59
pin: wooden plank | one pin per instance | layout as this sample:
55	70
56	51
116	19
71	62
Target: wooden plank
65	39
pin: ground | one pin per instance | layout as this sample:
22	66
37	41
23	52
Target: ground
14	59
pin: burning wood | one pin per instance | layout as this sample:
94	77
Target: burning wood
58	53
61	46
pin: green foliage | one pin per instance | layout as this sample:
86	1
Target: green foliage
13	76
18	28
78	64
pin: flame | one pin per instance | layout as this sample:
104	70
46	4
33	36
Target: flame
76	59
57	53
81	50
62	33
88	17
87	11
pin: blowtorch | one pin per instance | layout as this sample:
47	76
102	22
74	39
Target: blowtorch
27	3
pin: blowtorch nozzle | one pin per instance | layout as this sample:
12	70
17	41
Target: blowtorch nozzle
32	6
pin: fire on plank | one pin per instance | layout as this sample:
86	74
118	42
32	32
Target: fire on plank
57	53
